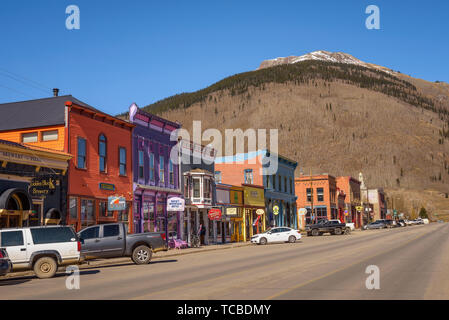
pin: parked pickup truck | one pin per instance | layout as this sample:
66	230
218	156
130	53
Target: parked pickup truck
325	226
112	241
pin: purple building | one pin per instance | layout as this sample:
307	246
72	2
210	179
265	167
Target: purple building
155	177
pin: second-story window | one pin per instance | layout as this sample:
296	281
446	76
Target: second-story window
122	161
152	166
248	174
81	153
186	187
291	186
207	188
320	194
161	169
102	152
196	187
285	184
309	194
218	176
141	171
279	183
171	173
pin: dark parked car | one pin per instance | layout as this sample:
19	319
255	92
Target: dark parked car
376	225
112	241
325	226
5	263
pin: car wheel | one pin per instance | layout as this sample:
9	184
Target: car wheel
292	239
347	230
45	267
337	231
142	255
263	241
315	232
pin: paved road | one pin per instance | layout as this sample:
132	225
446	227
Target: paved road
413	264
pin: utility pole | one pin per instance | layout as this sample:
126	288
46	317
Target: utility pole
311	195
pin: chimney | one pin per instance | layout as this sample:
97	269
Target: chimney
55	92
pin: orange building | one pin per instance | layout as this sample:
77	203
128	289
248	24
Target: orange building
351	187
101	147
321	193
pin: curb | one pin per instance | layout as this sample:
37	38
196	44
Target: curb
106	262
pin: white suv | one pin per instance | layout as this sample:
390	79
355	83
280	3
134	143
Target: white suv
41	249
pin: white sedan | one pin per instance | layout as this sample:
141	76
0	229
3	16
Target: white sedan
277	234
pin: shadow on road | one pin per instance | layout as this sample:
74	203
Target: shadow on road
23	279
127	264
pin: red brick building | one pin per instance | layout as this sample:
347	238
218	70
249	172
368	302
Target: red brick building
321	193
101	147
351	187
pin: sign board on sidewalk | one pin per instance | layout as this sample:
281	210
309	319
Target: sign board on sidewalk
175	204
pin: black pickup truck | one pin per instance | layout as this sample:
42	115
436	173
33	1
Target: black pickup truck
325	226
112	241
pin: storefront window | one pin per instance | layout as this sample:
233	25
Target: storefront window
148	216
87	212
122	216
73	208
160	218
104	210
172	222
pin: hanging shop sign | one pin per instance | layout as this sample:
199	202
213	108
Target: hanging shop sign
214	214
231	211
260	211
359	208
107	186
302	211
275	210
116	203
175	204
43	186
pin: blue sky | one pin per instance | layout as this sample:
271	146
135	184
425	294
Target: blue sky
144	51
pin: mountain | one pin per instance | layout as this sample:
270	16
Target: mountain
341	117
321	55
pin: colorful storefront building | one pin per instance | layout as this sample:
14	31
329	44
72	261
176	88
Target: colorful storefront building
33	185
353	204
198	185
155	175
274	172
254	210
321	193
100	170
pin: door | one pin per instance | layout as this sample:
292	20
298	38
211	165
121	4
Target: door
112	241
14	243
91	242
275	236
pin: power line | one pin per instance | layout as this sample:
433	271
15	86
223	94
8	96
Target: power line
17	91
23	82
25	78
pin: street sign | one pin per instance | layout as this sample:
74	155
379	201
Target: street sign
260	212
302	211
275	210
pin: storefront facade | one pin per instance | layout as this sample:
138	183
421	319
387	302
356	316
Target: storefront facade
155	174
100	146
33	185
253	210
198	185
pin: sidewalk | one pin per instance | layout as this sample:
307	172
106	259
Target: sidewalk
127	260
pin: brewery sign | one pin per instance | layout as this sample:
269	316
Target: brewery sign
43	186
